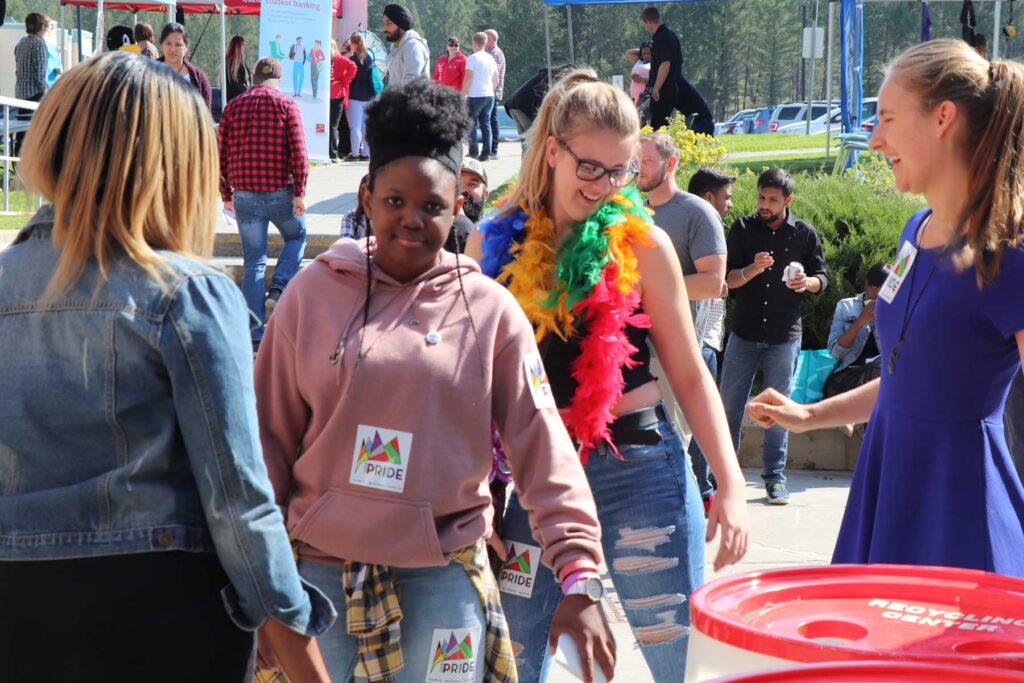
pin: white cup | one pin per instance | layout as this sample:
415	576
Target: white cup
568	656
792	270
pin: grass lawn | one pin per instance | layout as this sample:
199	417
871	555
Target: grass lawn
19	201
770	142
811	163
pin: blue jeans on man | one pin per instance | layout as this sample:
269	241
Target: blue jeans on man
697	459
494	129
739	366
255	211
480	112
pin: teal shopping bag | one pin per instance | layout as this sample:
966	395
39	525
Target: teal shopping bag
812	370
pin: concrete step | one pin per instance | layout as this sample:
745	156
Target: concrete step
234	268
229	244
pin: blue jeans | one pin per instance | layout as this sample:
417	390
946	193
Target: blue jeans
652	524
255	211
480	112
494	128
697	459
738	368
437	602
298	77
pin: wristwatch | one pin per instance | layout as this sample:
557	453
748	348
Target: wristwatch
590	586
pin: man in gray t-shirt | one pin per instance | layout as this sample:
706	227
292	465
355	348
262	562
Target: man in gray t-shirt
695	228
692	223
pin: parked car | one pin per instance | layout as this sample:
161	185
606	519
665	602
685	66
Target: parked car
507	131
818	125
759	123
736	124
785	114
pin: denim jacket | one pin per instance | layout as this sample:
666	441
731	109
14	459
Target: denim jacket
847	311
129	425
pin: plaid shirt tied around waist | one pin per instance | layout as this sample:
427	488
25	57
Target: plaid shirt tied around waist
262	144
374	617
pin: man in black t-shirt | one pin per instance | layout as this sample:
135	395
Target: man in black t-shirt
669	90
765	250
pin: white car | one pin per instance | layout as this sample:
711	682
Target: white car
870	106
818	125
737	123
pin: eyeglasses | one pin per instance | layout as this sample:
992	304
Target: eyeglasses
590	170
452	43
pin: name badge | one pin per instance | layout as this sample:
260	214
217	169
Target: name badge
899	273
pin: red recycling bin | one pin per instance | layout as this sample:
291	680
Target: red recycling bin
957	617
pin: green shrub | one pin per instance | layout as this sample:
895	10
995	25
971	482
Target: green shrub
859	220
696	150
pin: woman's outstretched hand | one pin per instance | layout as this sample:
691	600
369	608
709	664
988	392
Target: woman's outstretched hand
770	408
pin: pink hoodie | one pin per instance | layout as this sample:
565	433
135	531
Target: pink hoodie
385	460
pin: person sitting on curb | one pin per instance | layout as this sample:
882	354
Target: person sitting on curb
852	341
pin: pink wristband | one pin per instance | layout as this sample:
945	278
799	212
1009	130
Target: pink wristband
576	565
574	577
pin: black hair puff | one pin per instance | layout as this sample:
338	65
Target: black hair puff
419	112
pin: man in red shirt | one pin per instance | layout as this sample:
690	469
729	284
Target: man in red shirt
263	171
451	67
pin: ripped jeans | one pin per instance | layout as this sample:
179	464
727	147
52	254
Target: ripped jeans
652	528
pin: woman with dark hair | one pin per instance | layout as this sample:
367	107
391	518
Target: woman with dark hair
138	522
640	74
238	75
386	491
174	45
935	483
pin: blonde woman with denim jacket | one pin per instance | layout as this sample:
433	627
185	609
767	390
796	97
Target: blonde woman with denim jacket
139	538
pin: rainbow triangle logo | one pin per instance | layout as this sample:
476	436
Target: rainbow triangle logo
519	563
452	650
538	377
376	450
901	267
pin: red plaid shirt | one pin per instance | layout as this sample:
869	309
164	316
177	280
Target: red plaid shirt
262	144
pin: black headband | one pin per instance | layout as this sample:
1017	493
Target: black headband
384	153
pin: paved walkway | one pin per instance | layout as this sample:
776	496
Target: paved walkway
802	533
332	188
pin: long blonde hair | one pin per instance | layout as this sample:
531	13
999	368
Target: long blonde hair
358	44
990	97
577	103
125	151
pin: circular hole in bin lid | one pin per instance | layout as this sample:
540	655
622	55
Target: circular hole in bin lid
867	612
832	631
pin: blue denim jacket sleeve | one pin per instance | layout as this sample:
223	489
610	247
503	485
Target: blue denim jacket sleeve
847	311
205	343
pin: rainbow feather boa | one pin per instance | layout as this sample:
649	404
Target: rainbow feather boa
592	277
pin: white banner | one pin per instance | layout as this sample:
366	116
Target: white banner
298	34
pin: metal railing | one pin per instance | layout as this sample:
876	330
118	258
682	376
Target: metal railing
12	125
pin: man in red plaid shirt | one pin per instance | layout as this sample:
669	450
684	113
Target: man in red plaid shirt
263	171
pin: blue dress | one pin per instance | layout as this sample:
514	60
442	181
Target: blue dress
934	483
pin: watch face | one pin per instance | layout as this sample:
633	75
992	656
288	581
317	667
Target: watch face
595	589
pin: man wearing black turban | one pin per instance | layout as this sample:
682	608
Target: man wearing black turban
410	56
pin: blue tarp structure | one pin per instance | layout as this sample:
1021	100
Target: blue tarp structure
851	62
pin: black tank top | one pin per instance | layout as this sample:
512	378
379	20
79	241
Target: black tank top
559	355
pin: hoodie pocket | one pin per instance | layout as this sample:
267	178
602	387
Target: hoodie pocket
363	528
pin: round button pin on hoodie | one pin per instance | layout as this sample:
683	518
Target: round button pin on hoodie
433	338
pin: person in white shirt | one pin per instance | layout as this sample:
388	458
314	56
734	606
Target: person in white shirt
479	84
